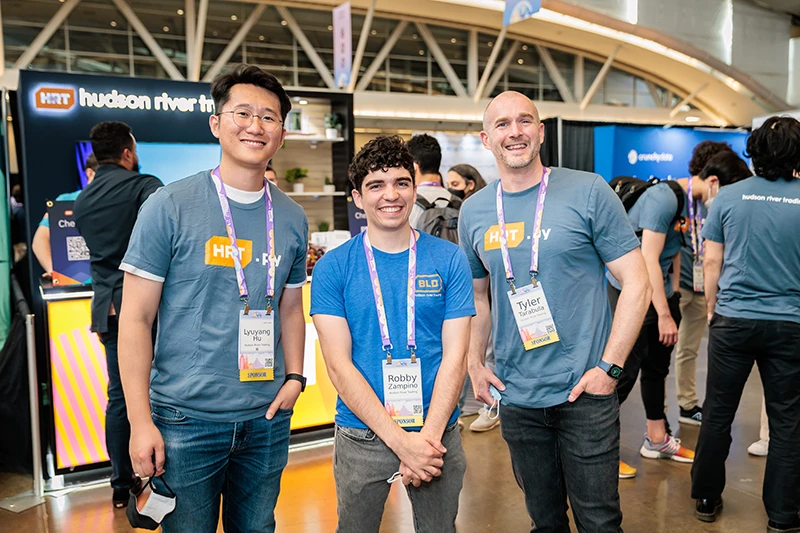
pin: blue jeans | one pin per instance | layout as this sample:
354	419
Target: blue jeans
569	450
240	461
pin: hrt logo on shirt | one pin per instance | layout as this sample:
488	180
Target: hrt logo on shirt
219	252
516	234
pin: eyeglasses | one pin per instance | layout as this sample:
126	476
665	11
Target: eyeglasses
244	118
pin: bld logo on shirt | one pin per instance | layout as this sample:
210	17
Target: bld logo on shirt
429	284
220	253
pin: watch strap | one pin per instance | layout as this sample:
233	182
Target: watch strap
296	377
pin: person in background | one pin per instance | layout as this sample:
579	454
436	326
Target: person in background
752	288
105	212
427	156
271	175
18	229
41	239
692	302
464	180
760	448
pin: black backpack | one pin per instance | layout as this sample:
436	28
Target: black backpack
629	190
440	218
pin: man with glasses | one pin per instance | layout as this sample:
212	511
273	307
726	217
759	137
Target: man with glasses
220	257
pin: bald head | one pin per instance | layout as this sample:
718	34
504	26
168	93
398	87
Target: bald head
503	102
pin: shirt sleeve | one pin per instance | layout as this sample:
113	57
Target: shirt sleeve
611	230
460	298
712	230
151	243
327	288
465	242
657	209
45	222
297	276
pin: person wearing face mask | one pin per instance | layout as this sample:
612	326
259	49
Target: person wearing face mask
105	213
713	165
464	180
752	288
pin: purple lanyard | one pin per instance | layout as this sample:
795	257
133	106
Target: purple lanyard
537	231
430	184
695	223
244	295
411	303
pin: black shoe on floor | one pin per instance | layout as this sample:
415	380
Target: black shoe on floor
775	527
707	510
693	416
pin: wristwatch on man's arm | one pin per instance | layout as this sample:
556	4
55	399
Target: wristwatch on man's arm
611	369
296	377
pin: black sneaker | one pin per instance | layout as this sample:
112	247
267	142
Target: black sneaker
707	510
693	416
775	527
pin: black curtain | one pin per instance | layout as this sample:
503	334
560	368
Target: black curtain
577	140
549	150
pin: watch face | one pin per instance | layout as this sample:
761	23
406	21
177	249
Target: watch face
615	372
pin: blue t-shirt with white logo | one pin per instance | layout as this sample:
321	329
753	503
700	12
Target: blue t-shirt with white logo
756	220
180	240
655	211
341	287
584	226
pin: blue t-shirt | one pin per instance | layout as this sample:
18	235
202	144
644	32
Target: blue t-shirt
180	239
655	210
341	287
66	197
757	219
687	255
583	227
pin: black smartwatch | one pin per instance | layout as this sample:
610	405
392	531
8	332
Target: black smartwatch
300	378
611	369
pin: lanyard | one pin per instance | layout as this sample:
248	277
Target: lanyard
244	295
695	223
537	231
430	184
411	302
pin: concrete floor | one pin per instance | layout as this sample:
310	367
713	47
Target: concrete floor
657	500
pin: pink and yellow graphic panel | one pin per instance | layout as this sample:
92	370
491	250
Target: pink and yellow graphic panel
79	383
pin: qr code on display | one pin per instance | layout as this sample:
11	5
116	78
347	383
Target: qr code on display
77	249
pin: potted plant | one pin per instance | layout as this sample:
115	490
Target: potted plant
333	126
294	175
324	226
329	186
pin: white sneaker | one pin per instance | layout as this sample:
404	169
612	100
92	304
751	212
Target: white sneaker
483	422
759	448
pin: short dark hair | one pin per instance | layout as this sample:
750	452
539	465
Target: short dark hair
381	153
91	162
703	152
728	167
775	148
270	169
426	153
109	141
248	75
470	173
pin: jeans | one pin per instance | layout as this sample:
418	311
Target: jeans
240	461
569	450
118	429
733	345
690	334
649	355
361	465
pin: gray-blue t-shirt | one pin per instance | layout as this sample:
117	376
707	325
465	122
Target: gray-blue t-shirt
655	210
584	226
180	239
756	219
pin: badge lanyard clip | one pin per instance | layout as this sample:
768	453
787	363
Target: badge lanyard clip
388	350
269	305
246	306
537	232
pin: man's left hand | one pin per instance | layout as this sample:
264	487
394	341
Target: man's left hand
594	381
286	398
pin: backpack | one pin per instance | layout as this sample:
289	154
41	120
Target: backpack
630	189
440	218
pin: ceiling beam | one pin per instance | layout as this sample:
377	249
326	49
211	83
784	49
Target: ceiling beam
555	74
44	36
373	68
686	101
502	67
305	44
362	45
148	40
235	43
487	70
441	59
598	81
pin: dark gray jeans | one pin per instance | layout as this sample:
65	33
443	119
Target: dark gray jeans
569	450
361	465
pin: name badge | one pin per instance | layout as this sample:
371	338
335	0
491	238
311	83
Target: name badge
402	391
534	319
256	346
697	276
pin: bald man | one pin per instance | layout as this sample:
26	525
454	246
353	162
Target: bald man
559	355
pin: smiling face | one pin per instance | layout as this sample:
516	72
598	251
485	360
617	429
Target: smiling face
252	146
512	130
386	196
